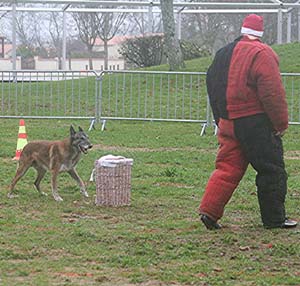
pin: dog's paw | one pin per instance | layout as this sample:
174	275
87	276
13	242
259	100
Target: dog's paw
44	194
58	198
11	196
84	193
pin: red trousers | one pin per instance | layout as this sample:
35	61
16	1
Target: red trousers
244	141
231	165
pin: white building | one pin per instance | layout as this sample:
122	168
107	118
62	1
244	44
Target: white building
115	60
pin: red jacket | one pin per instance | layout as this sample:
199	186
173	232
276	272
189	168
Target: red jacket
254	83
244	80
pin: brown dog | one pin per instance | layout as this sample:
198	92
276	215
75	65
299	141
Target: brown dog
55	156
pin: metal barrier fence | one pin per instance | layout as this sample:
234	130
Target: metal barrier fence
291	83
49	94
117	95
170	96
153	96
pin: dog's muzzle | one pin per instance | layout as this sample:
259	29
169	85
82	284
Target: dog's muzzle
84	149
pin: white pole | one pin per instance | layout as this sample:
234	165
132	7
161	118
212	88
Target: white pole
14	42
289	27
279	27
179	25
150	19
64	43
298	24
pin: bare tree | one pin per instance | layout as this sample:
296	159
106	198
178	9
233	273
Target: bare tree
87	24
138	24
26	27
270	33
173	50
4	13
216	30
55	31
108	26
25	30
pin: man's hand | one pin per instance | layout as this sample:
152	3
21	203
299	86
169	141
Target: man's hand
279	133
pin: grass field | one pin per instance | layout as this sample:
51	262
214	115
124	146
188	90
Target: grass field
158	240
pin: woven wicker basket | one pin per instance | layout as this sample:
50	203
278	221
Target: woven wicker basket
113	184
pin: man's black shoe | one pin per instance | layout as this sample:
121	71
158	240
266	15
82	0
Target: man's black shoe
288	223
209	223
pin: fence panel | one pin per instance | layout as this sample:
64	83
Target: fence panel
117	95
48	94
291	83
154	96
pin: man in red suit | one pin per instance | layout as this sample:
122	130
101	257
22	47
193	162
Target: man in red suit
249	106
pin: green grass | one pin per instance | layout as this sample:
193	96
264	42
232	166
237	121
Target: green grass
158	240
288	56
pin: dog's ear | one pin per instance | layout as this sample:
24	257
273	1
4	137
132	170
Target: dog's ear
72	131
80	129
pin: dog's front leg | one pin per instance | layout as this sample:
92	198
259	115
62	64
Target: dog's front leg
56	196
76	177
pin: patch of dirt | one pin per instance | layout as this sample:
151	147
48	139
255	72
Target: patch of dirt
175	185
141	149
8	160
292	155
74	217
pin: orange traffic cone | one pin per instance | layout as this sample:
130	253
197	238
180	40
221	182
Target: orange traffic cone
22	139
